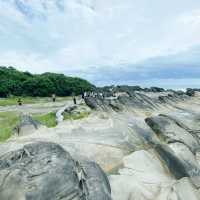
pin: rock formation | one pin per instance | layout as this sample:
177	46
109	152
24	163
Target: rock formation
26	125
45	171
148	143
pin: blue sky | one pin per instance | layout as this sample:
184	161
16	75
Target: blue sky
106	41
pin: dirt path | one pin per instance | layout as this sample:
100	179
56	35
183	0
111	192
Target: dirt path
36	108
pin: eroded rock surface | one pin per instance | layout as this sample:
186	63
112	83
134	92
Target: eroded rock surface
26	126
147	142
45	171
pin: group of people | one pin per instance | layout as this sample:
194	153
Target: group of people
83	95
94	94
53	97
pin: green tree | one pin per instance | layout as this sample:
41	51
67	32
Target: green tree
14	82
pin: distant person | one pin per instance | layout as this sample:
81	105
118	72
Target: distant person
74	99
83	95
19	101
53	97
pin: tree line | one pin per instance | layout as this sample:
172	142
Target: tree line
18	83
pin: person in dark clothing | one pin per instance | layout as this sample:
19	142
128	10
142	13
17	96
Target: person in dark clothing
74	99
82	95
19	101
53	97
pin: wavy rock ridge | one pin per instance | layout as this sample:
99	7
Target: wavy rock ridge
147	143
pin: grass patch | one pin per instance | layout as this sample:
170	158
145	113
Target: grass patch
75	116
48	120
8	121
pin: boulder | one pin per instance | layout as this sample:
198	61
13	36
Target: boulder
174	164
169	131
45	171
179	152
190	92
143	177
95	103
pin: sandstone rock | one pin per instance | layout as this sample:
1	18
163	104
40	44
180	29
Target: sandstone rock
169	131
180	190
45	171
157	163
141	178
95	103
26	125
175	165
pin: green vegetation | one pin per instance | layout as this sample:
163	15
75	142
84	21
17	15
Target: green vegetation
17	83
8	121
48	119
75	116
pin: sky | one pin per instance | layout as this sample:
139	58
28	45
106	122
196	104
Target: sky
135	42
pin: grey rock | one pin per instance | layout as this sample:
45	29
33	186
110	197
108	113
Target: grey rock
179	154
45	171
95	103
169	131
26	125
134	99
97	183
177	165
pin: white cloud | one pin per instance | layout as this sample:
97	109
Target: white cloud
79	34
183	32
33	61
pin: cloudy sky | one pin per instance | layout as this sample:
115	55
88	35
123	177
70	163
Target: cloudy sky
145	42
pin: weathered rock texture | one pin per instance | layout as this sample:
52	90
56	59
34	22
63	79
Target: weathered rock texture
26	126
148	143
45	171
